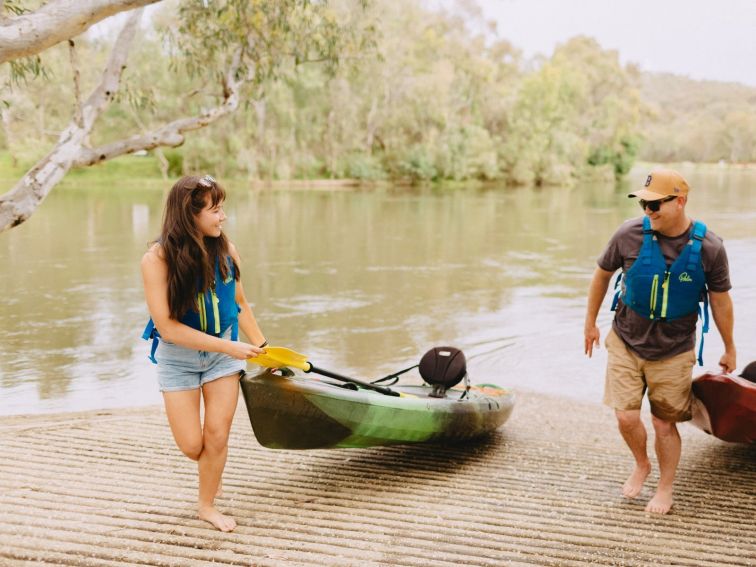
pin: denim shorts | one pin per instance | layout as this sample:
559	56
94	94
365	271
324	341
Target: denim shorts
181	368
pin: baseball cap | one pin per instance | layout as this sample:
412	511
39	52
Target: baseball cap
662	183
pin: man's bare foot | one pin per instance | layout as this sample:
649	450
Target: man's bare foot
661	503
221	521
634	484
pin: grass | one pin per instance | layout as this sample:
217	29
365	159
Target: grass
146	170
117	170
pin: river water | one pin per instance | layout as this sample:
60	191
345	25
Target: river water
362	281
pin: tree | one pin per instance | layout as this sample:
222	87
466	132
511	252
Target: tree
29	33
232	45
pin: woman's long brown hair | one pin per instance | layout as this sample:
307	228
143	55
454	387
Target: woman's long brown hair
191	257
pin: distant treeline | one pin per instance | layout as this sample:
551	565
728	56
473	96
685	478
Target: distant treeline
701	121
433	96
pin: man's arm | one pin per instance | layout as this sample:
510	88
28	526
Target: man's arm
721	309
596	294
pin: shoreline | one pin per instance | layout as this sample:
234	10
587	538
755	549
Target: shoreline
116	169
106	487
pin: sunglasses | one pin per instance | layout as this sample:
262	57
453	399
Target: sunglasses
655	205
206	181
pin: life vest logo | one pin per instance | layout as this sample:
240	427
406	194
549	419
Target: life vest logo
648	181
685	278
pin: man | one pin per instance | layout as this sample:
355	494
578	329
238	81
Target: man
668	264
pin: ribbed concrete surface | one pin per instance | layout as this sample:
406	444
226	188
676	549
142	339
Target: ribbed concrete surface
109	488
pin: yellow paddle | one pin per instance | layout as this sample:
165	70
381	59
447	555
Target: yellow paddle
277	357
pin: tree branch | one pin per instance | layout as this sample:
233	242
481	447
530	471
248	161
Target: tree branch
56	21
19	203
171	134
76	80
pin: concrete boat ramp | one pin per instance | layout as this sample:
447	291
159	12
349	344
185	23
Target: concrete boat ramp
110	488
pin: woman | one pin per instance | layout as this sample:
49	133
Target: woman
197	304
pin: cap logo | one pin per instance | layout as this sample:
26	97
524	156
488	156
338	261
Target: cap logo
648	181
677	190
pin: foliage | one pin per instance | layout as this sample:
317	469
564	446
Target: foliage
25	69
382	90
701	121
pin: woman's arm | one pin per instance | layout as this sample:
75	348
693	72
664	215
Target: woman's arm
247	322
155	280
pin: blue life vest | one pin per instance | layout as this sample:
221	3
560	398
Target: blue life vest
661	292
217	310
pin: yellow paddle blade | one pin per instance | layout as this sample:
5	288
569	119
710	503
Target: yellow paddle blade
277	357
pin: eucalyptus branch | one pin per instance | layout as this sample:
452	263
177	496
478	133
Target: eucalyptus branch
171	134
31	33
76	81
18	204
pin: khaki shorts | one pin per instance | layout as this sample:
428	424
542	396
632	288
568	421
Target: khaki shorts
668	381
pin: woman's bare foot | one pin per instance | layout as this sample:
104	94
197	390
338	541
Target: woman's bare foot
634	484
661	503
221	521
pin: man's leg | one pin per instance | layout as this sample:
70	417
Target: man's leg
634	433
623	391
668	448
669	393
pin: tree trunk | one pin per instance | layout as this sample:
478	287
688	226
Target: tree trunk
19	203
372	125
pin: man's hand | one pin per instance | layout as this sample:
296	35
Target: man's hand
727	362
596	292
721	309
592	336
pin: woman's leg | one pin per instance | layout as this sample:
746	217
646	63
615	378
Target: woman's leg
221	397
183	411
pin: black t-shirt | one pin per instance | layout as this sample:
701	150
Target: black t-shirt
653	339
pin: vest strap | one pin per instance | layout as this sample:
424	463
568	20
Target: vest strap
648	238
704	326
617	291
216	312
696	242
150	332
235	325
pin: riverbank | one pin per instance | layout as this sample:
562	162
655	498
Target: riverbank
109	487
146	170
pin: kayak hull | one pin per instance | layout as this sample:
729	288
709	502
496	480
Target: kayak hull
293	412
725	407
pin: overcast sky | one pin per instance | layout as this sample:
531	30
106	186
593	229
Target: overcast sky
703	39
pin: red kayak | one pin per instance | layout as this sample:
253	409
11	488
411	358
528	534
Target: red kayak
725	407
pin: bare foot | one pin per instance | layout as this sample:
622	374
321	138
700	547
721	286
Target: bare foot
634	483
661	503
221	521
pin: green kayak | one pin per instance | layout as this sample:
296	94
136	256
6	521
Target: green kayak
289	411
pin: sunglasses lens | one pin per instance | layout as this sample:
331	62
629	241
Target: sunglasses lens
654	206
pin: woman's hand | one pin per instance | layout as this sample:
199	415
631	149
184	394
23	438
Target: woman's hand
242	350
